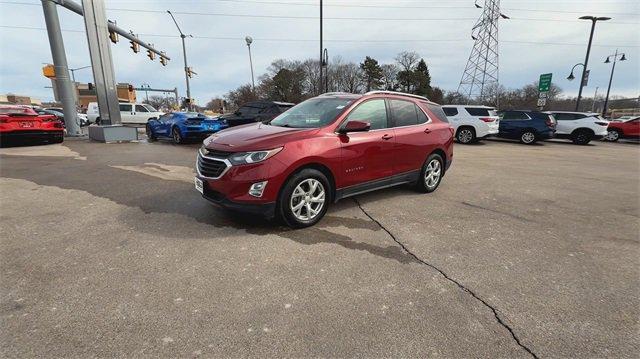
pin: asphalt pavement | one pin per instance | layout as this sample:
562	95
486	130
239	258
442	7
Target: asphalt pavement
524	251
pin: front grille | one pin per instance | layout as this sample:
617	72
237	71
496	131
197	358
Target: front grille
217	154
210	167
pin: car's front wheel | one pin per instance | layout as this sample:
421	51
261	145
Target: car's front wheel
304	198
150	135
176	135
431	174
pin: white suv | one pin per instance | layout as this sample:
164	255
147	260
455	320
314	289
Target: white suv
580	127
472	123
129	112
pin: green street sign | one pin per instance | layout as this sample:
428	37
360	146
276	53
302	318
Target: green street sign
545	83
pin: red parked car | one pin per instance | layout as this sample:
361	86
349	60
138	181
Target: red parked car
324	149
23	123
623	128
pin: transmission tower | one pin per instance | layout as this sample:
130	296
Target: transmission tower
482	66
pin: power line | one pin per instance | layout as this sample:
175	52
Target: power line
230	38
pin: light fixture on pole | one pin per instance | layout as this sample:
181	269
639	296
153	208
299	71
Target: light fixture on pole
593	19
571	77
249	40
187	70
73	75
613	68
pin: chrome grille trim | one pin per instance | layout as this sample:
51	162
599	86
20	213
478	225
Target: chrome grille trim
202	157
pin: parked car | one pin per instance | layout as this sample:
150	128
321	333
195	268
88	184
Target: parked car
526	126
472	123
580	127
624	127
324	149
20	124
58	113
257	111
181	126
136	113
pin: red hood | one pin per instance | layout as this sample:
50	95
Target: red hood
255	136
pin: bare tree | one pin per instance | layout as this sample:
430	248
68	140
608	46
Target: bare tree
407	60
390	76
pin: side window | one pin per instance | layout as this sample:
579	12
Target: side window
514	115
422	118
477	111
437	111
372	111
125	107
404	113
450	111
140	108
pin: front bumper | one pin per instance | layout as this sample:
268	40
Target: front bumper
266	210
32	134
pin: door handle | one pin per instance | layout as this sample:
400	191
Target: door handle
387	137
427	130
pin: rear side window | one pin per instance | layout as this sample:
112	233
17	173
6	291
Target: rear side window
514	115
450	111
372	111
437	111
125	108
404	113
140	108
477	111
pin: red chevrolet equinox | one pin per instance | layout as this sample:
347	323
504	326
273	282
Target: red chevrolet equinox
324	149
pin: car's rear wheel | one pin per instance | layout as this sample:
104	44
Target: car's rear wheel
176	135
613	135
466	135
431	174
304	198
528	137
150	135
581	137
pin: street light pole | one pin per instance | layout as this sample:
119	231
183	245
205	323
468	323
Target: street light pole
593	103
146	93
249	40
186	66
613	68
593	19
321	50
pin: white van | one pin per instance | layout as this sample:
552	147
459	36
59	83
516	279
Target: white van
138	113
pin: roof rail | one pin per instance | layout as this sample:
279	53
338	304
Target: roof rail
396	93
335	93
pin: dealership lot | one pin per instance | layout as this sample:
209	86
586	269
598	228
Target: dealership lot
108	250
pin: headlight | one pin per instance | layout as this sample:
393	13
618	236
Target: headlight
242	158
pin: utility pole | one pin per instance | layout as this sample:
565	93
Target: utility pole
186	66
321	49
593	19
593	103
63	83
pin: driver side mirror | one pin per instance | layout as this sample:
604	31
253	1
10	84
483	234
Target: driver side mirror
355	126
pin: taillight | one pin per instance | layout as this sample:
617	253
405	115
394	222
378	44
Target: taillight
549	121
487	119
602	123
48	118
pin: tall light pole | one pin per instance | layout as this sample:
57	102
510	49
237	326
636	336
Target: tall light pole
593	19
146	93
73	75
615	59
187	71
321	50
593	103
249	40
325	64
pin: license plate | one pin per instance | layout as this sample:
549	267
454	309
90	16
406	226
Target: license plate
26	124
199	184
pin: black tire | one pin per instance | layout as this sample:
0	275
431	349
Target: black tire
150	135
426	184
176	136
613	135
58	139
466	135
528	137
581	137
285	200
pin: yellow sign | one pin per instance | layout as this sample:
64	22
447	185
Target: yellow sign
49	71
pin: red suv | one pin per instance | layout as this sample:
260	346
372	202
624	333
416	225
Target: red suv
324	149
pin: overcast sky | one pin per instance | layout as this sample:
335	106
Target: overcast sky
439	30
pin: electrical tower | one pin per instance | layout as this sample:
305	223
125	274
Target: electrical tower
482	67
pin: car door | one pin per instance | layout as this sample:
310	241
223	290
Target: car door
141	114
163	125
367	156
565	122
511	123
126	112
413	140
632	128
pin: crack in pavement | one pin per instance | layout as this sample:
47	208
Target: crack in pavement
447	277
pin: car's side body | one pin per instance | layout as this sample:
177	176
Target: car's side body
580	127
135	113
516	123
22	123
189	125
256	111
625	128
472	122
353	162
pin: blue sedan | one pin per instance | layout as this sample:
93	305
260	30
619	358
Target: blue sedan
181	126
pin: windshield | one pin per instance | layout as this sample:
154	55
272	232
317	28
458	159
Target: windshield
313	113
150	108
195	115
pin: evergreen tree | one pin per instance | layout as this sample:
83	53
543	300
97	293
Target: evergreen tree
372	73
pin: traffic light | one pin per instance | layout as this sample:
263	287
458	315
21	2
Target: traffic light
113	36
135	46
163	60
151	55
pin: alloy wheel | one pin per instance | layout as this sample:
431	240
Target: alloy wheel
432	173
528	137
465	136
612	135
307	199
